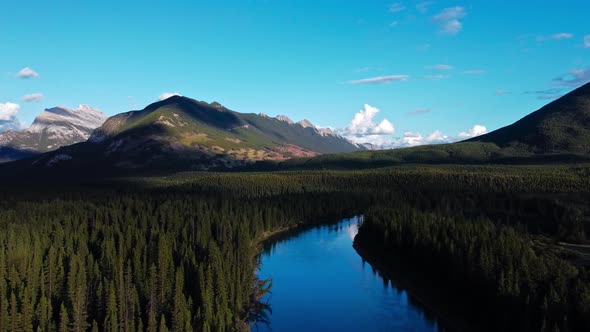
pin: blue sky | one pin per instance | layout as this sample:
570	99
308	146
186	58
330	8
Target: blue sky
433	69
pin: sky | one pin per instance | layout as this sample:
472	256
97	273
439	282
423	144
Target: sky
392	73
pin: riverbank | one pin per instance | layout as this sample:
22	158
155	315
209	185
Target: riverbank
421	290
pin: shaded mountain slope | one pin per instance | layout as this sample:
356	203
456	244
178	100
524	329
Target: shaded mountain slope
562	126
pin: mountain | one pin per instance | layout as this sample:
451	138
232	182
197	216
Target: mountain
562	126
180	133
558	132
52	129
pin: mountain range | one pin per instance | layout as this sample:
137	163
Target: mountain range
51	129
180	133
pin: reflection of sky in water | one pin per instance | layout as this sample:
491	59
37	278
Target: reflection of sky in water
321	284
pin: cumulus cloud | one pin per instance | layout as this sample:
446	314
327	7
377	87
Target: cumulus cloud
575	78
167	95
396	7
8	111
448	20
441	67
556	36
587	41
474	131
33	97
27	73
422	7
474	72
362	123
381	79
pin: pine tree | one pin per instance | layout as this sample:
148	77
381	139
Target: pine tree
14	315
110	321
26	315
179	309
63	319
163	326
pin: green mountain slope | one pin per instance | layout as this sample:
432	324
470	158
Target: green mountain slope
180	133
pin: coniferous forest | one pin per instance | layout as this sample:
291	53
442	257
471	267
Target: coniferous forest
180	253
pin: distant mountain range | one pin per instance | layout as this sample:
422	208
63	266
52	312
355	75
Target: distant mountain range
52	129
558	132
180	133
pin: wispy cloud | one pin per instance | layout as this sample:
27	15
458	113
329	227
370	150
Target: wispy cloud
396	7
420	111
441	67
34	97
8	110
167	95
547	94
500	92
435	77
27	73
423	47
381	79
556	36
448	20
474	72
587	41
423	7
574	78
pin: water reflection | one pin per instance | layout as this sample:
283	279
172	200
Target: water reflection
321	284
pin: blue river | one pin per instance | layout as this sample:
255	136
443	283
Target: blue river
320	283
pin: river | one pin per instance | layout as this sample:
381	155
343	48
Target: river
320	283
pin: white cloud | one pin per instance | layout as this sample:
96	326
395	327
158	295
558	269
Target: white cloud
448	20
474	131
36	97
27	73
381	79
362	124
441	67
587	41
396	7
384	128
556	36
500	92
423	6
474	72
8	111
167	95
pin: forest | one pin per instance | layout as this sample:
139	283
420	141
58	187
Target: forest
179	253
